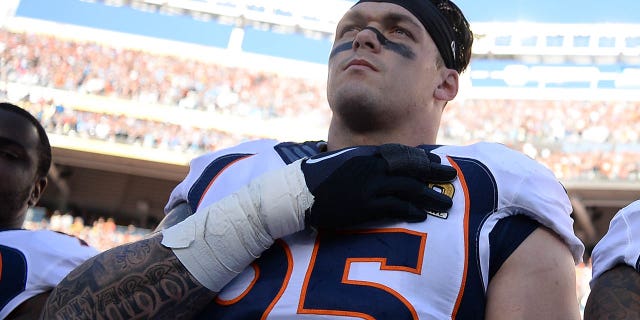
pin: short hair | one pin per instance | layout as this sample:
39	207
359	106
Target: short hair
461	29
44	148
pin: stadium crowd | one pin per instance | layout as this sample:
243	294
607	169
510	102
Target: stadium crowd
118	128
576	139
92	68
603	147
102	233
585	140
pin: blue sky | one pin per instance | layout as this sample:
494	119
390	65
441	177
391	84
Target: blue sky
552	11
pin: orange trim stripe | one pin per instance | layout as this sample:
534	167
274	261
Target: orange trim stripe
312	263
467	210
349	261
407	304
285	283
423	243
256	269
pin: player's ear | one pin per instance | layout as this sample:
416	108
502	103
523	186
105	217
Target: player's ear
36	193
447	89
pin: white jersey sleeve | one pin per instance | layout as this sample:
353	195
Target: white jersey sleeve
621	243
33	262
525	188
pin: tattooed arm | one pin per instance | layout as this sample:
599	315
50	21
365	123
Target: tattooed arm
140	280
615	295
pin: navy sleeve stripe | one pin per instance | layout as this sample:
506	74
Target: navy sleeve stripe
506	237
290	151
13	274
209	174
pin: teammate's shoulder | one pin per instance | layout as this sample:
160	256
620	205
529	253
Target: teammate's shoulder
617	246
628	216
631	209
51	235
35	239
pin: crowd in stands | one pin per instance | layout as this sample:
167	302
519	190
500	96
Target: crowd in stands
601	147
576	139
594	140
118	128
92	68
102	233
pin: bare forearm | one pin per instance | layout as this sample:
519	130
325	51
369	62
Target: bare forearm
143	279
615	295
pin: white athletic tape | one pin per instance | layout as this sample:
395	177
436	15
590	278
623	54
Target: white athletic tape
217	242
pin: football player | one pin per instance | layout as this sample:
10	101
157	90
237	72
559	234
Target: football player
31	262
378	222
615	282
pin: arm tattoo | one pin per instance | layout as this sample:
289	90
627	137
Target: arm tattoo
140	280
615	295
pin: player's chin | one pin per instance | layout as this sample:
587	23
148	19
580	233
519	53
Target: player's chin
354	90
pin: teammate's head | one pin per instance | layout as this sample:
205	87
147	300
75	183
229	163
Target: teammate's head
25	159
43	147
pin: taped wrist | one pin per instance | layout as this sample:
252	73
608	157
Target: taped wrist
217	242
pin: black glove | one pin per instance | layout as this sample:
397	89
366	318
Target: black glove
369	183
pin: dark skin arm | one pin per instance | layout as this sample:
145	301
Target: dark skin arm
140	280
30	309
615	295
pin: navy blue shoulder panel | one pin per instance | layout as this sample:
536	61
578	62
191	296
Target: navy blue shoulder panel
293	151
210	172
506	237
483	196
13	274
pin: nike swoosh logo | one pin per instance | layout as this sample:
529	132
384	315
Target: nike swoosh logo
316	160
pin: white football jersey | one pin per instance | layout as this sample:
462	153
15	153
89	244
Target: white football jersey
33	262
621	243
436	269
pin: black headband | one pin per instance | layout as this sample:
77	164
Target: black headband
434	22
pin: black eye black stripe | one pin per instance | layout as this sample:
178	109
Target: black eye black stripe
398	48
